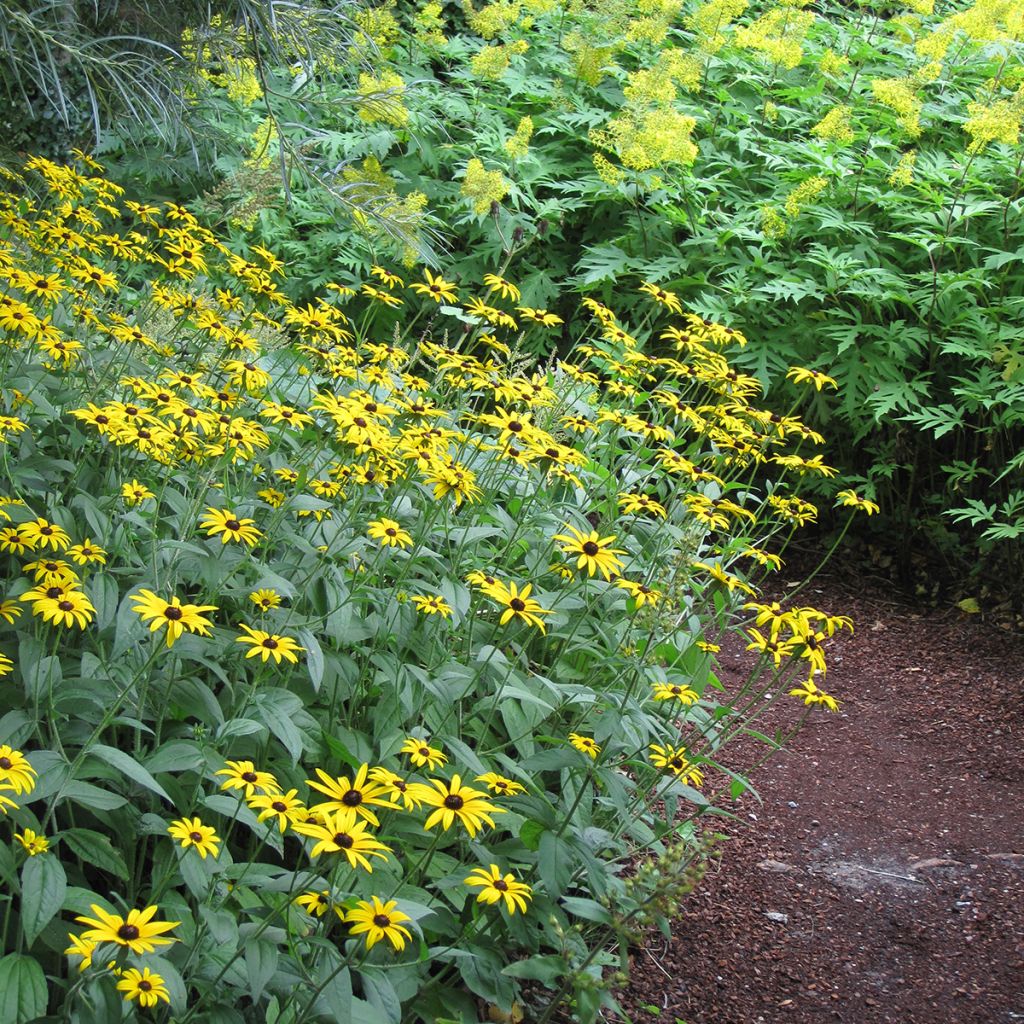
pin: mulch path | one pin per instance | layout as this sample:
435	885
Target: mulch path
882	878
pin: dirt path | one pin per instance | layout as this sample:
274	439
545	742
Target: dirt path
882	880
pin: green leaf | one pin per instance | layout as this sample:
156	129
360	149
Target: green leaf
95	850
88	795
260	963
43	886
546	969
129	767
22	989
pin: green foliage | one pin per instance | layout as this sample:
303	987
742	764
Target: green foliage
262	553
851	199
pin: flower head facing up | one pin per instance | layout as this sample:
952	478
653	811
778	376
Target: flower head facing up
146	987
389	533
134	493
377	920
172	614
593	552
674	760
340	834
432	604
192	832
675	691
517	604
455	802
495	887
269	645
421	753
351	799
244	776
283	808
226	524
40	534
585	744
138	931
436	288
265	600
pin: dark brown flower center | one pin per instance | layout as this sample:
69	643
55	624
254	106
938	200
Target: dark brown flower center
382	920
501	885
454	802
516	604
344	840
270	644
145	986
353	798
5	763
54	592
249	777
196	837
172	613
590	548
391	531
65	606
128	932
280	806
232	524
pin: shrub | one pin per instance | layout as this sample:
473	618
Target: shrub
352	674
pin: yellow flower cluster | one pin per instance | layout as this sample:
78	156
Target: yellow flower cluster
900	96
518	145
804	194
483	187
492	19
710	21
648	138
778	34
491	62
997	121
590	62
429	25
835	125
903	173
380	99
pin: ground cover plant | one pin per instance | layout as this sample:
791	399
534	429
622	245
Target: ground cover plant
840	182
354	666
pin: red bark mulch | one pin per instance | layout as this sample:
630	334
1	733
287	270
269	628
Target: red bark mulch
888	852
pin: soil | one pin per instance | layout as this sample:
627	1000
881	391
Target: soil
882	877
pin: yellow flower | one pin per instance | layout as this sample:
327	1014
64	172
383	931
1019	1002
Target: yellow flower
192	832
455	802
15	771
377	920
243	775
353	798
674	759
287	808
640	592
32	843
433	605
265	600
60	604
595	552
269	645
42	534
138	931
87	552
637	503
177	617
504	288
316	904
585	744
135	493
494	887
800	375
389	533
675	691
436	288
853	500
668	299
83	948
540	316
146	987
421	753
224	522
810	695
339	834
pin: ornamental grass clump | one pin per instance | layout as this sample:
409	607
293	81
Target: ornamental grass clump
352	664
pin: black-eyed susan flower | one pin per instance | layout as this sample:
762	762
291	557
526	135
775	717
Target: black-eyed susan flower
32	843
637	504
51	571
284	809
773	645
506	289
243	775
42	534
432	604
539	316
83	948
265	599
13	541
377	920
191	832
396	787
675	691
668	299
134	493
436	288
269	645
352	798
226	524
499	784
145	986
61	604
801	375
421	753
172	614
455	802
495	887
138	931
674	760
640	592
517	604
809	693
6	665
338	833
853	500
593	552
315	903
585	744
15	771
87	553
389	533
